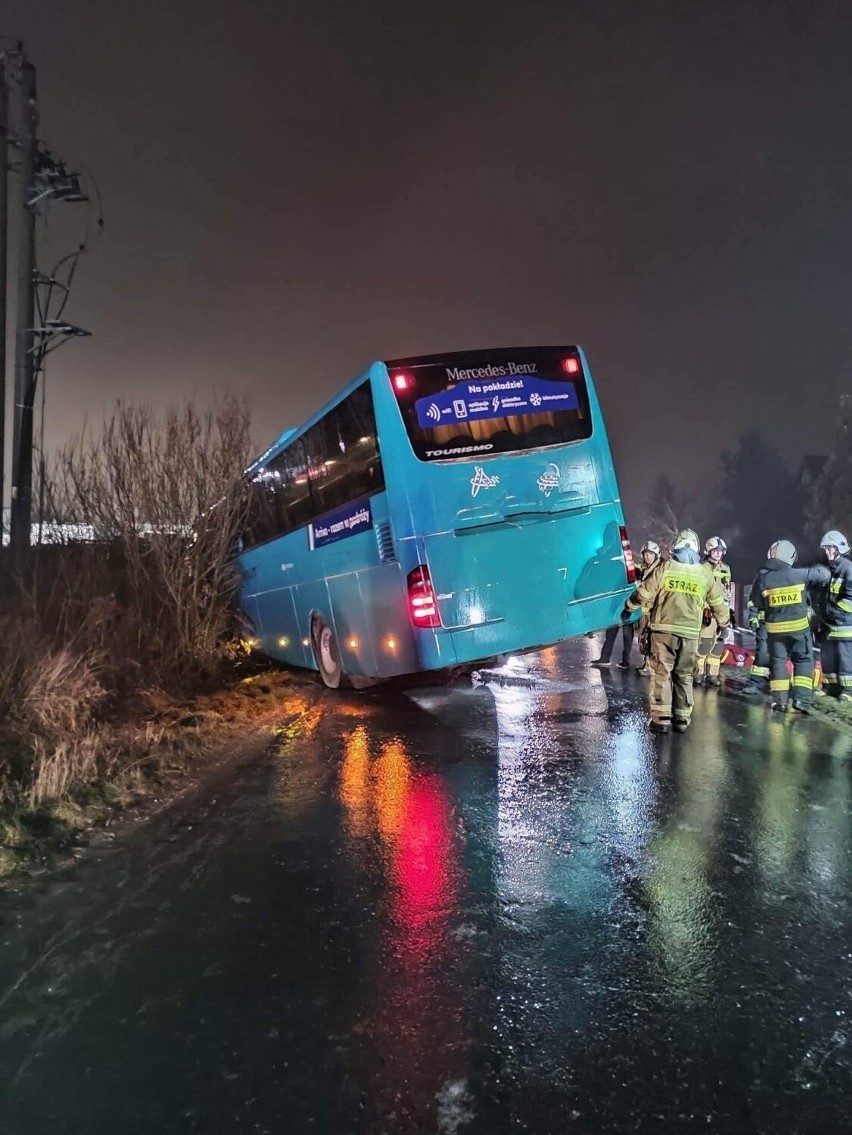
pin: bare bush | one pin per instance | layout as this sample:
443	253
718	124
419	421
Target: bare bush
141	596
164	499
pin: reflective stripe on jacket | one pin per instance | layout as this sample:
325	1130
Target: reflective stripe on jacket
643	570
779	594
838	600
674	596
722	575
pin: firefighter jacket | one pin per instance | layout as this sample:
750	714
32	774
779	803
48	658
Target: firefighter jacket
778	594
643	570
722	575
837	608
674	595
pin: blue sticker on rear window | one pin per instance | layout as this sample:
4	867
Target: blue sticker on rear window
502	398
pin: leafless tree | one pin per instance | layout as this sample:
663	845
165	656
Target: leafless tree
666	511
830	504
159	501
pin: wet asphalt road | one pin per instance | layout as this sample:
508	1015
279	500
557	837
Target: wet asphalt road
471	909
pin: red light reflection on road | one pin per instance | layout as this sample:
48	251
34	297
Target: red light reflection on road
413	1025
411	814
425	875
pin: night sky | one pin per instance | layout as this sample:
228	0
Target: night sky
294	189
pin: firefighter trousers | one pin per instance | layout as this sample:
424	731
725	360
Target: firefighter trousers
672	662
760	667
798	649
836	664
711	647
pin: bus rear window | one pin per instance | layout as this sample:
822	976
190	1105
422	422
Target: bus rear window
491	402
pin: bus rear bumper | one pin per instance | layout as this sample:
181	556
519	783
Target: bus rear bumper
476	643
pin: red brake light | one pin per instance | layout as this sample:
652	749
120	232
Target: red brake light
571	366
421	598
401	381
628	555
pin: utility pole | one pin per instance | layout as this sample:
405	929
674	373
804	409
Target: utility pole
23	90
41	180
4	168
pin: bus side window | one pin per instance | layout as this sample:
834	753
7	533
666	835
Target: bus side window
247	537
322	443
266	522
343	454
365	464
260	513
293	491
335	461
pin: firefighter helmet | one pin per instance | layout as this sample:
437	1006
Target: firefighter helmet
783	550
686	538
715	542
650	546
835	539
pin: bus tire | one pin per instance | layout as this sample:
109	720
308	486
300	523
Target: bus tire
326	653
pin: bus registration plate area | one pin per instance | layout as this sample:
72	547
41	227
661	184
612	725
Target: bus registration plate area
502	581
470	607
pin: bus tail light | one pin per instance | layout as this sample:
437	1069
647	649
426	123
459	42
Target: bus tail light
628	555
422	605
401	381
571	366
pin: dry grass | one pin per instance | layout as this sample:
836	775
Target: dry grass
61	765
70	784
61	692
92	634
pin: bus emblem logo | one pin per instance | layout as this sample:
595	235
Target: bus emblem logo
549	480
481	480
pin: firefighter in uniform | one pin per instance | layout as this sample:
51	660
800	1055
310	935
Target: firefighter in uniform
779	594
711	642
836	637
759	680
650	553
673	595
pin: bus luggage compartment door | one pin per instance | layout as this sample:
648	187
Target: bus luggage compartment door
518	584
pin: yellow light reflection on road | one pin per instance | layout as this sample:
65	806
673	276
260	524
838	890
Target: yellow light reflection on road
354	782
392	783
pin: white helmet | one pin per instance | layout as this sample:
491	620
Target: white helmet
783	550
835	539
686	538
715	542
650	546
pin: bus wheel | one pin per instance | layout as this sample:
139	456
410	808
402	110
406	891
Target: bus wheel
326	654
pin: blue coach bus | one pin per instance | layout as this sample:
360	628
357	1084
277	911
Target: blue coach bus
439	512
